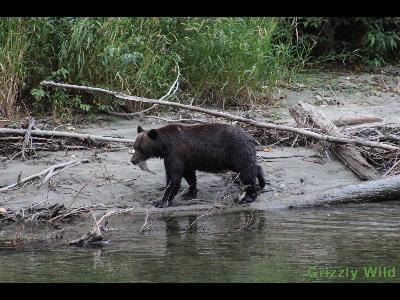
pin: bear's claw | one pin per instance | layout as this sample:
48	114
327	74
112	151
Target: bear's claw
161	204
189	195
246	199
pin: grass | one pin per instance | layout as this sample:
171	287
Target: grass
223	61
12	51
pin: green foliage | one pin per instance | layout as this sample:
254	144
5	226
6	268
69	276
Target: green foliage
234	61
235	58
228	61
13	48
373	40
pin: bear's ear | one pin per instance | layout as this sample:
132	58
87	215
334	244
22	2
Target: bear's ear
140	129
152	134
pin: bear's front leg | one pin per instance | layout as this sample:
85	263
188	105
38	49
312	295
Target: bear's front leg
174	173
169	194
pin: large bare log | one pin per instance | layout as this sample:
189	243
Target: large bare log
307	115
383	189
50	133
315	135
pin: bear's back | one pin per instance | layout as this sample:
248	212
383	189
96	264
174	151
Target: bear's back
209	147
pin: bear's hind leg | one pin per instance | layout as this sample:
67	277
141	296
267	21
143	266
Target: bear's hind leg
260	177
190	177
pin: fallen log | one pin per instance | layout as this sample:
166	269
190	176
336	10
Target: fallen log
307	115
50	133
323	137
384	189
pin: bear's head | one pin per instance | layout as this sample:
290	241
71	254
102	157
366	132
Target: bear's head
147	145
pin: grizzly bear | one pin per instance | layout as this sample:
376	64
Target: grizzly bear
210	147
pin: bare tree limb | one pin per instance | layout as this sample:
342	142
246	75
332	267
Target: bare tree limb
50	133
177	120
47	171
172	90
322	137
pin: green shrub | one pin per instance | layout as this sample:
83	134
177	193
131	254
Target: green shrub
13	47
372	40
228	61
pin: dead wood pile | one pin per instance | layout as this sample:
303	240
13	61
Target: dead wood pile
38	214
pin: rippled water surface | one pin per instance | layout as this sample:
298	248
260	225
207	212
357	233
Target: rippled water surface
298	245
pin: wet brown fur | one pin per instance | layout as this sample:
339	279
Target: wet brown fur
209	147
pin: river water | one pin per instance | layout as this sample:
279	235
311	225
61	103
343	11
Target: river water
297	245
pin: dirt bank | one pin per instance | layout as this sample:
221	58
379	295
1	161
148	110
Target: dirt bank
111	180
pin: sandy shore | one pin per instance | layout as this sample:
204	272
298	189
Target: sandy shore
111	180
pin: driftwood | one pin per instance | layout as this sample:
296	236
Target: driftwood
50	133
27	139
307	115
387	163
94	236
37	213
48	173
373	190
346	121
315	135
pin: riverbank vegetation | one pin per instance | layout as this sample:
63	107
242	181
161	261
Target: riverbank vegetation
223	61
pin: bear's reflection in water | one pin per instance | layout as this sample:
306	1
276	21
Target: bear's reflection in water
198	235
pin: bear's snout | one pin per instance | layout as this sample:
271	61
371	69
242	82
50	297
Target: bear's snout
134	161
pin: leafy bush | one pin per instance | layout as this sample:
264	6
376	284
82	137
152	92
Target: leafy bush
373	40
